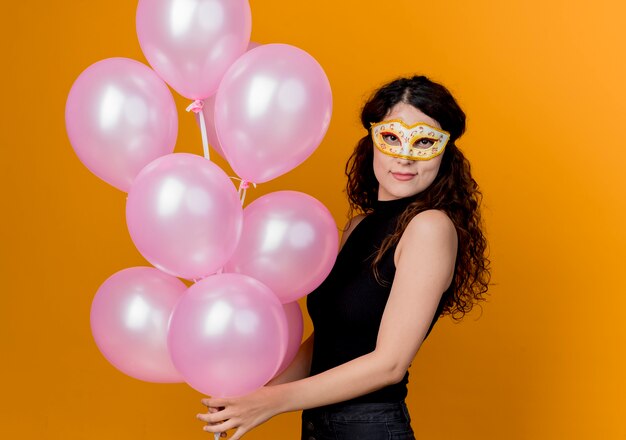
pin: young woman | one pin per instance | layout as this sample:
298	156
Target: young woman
416	251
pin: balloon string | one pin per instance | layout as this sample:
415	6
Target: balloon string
196	107
205	140
216	436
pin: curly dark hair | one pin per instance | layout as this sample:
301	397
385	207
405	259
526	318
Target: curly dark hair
453	191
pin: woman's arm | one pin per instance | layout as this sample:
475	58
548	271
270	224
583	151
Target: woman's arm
424	268
300	367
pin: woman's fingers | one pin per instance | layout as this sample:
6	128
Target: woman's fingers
220	427
204	418
213	418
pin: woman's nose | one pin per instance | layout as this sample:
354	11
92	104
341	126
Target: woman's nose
403	161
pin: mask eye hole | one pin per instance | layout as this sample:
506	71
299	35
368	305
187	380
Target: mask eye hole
424	142
391	139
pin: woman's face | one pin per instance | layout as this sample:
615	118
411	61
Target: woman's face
397	177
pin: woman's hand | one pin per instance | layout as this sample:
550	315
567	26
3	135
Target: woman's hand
240	413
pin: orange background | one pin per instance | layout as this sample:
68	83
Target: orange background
543	86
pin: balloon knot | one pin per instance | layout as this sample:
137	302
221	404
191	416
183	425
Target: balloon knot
195	106
245	184
243	188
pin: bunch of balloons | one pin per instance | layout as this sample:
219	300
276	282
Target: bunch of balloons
264	108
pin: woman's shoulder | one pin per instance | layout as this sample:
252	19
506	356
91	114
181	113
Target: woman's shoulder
431	224
349	227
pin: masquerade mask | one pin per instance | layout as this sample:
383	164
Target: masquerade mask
416	142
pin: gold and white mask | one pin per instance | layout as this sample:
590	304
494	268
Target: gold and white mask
416	142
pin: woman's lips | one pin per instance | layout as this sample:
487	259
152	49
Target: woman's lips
403	176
